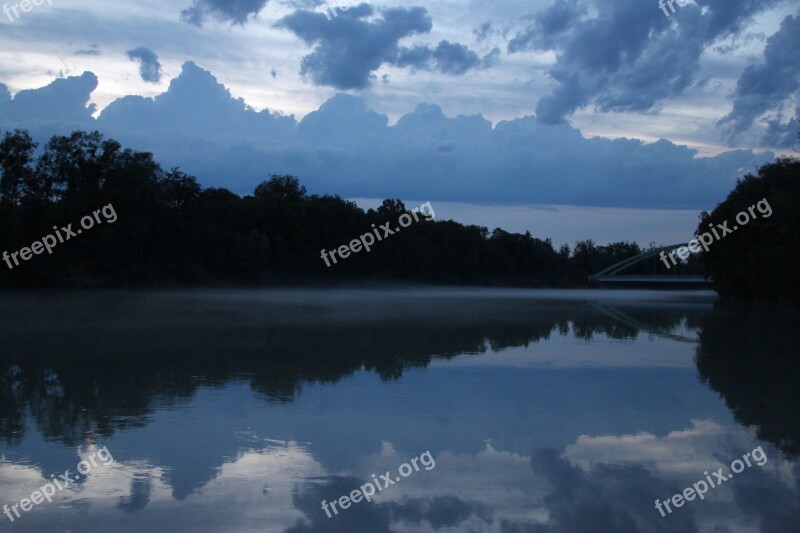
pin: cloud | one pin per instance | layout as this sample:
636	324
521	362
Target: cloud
139	496
348	48
358	517
765	87
484	31
233	11
149	66
447	58
58	107
195	105
628	56
349	149
761	495
783	134
342	114
608	481
608	497
93	50
737	41
439	511
489	30
147	493
548	23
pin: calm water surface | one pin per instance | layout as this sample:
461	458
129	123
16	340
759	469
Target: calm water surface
542	410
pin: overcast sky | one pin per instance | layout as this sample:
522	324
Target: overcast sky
606	105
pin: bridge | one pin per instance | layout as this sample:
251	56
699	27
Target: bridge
626	319
610	274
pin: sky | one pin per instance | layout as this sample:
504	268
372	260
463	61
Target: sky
604	119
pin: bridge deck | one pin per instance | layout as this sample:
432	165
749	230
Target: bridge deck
653	279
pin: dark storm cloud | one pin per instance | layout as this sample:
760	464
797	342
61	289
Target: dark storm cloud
629	56
606	498
763	496
447	58
438	511
349	49
363	516
725	16
233	11
547	24
765	87
149	66
342	113
347	148
63	104
198	104
783	134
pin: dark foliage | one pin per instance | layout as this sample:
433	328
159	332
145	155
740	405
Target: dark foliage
759	261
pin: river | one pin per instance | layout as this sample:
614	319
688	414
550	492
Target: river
480	410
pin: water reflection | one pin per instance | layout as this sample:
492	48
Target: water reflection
750	356
545	411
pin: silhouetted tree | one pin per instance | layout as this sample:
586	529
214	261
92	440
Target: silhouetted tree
759	259
16	160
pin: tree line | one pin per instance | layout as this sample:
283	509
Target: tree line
171	231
